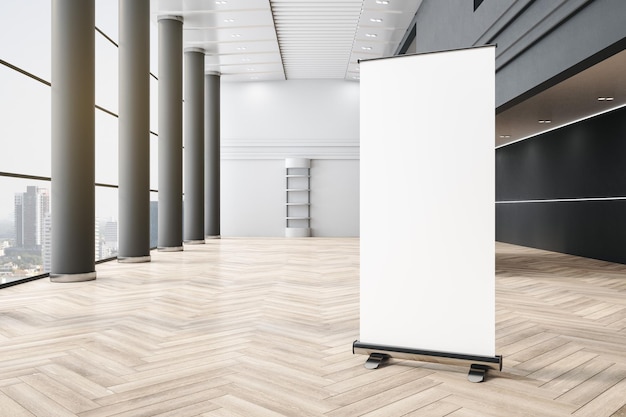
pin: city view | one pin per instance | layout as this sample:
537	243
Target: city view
26	240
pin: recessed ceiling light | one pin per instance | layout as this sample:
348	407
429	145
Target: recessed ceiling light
605	98
236	35
376	20
505	136
366	48
221	2
370	35
229	20
545	121
241	48
382	1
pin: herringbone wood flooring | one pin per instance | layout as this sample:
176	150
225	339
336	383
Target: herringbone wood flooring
264	327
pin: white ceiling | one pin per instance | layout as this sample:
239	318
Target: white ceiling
267	40
248	40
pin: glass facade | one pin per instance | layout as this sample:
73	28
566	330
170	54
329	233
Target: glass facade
27	46
106	222
25	137
106	74
24	124
106	148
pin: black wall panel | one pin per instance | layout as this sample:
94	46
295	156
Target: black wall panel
593	229
583	160
586	159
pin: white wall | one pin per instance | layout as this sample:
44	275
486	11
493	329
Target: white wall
253	197
335	197
263	123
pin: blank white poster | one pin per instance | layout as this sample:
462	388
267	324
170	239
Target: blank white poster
427	201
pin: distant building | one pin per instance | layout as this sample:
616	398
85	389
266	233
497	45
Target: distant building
110	233
19	219
3	245
154	223
31	209
7	269
108	239
46	244
98	241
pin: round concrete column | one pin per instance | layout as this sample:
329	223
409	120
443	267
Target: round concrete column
134	131
212	155
170	133
193	216
73	141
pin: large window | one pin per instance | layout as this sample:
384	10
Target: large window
106	18
106	74
24	124
106	148
25	33
25	240
106	222
25	136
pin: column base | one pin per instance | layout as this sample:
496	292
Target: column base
133	259
298	232
170	249
88	276
213	237
194	242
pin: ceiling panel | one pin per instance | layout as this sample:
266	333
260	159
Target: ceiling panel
229	19
233	33
230	35
244	58
315	37
297	39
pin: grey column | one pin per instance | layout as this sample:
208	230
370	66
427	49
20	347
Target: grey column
73	141
212	156
170	133
193	224
134	131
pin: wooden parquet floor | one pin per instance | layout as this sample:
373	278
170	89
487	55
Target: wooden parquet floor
264	327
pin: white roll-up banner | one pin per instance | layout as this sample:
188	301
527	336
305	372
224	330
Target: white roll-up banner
428	201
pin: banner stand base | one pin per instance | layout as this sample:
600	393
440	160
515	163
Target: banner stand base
477	373
379	354
375	360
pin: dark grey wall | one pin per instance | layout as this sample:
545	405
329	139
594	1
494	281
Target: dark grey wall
582	166
540	42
